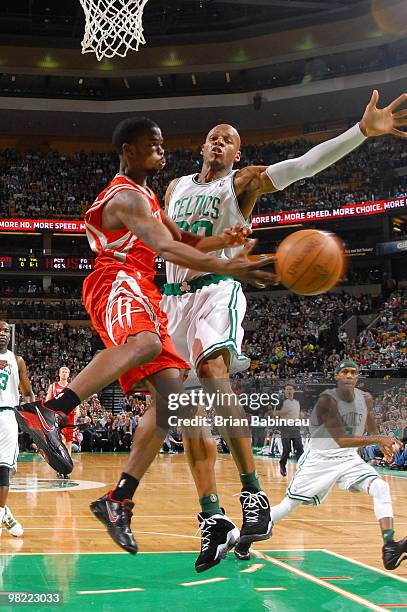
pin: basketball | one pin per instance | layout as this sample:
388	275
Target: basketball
310	262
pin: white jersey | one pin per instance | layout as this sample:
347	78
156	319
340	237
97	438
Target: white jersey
9	380
205	209
353	415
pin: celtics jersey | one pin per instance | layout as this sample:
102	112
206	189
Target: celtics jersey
353	415
9	380
205	209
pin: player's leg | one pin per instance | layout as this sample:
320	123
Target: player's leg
40	419
6	516
286	443
8	461
213	372
200	447
4	486
107	366
68	432
166	444
218	533
297	445
393	552
196	323
114	509
201	452
310	485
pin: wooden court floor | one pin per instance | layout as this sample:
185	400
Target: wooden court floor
324	558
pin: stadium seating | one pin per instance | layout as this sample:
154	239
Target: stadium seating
49	185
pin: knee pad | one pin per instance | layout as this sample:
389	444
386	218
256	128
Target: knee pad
4	476
380	491
380	488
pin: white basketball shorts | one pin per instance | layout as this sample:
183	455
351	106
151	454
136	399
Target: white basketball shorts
317	473
207	320
8	438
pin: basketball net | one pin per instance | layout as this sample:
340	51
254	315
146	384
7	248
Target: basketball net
112	27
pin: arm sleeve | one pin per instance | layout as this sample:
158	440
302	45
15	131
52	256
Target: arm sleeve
316	159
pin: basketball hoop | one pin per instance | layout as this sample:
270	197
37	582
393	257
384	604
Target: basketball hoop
112	27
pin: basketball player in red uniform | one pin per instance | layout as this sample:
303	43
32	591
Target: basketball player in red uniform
59	385
127	228
67	432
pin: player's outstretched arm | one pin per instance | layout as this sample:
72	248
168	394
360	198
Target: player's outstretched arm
25	385
130	209
253	181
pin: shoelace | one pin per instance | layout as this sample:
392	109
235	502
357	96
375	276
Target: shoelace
125	509
252	504
402	554
126	512
205	527
9	519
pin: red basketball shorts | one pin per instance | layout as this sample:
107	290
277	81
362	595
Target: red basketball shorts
68	432
121	305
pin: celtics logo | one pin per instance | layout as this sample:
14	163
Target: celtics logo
29	484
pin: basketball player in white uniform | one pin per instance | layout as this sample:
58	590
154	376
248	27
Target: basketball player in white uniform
205	312
13	378
337	425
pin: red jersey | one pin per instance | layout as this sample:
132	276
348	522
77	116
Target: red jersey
56	389
120	295
121	247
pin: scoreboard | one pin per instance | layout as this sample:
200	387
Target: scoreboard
54	264
44	264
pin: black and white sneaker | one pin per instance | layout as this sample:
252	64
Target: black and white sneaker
257	523
393	553
218	536
242	551
117	518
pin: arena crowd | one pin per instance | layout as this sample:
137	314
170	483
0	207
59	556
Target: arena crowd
47	185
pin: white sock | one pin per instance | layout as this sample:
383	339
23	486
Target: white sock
283	509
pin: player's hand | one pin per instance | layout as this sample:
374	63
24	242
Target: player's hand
235	236
389	445
242	268
381	121
260	278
